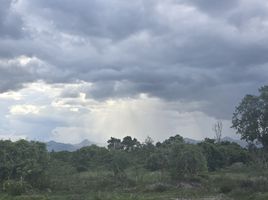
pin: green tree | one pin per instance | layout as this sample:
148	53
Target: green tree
6	160
147	147
24	161
214	156
173	140
250	118
148	143
233	153
130	144
90	157
219	155
114	143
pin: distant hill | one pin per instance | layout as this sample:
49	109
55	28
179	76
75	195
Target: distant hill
191	141
57	146
84	143
242	143
228	139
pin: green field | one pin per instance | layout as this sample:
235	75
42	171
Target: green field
241	182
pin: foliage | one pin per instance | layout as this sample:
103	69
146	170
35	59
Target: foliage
23	160
186	160
223	154
114	143
250	118
157	161
214	156
177	139
27	167
15	188
89	157
127	144
118	162
130	144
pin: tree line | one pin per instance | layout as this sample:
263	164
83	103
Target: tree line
27	165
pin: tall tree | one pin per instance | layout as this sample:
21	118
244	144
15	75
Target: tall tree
250	118
114	143
217	128
130	144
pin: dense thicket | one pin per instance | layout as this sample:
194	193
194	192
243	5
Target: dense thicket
23	165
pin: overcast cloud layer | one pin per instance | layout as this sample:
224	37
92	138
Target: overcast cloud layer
155	67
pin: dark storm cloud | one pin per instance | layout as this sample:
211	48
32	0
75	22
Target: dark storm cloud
101	18
214	7
10	23
13	76
198	50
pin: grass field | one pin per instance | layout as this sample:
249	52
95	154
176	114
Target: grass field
242	183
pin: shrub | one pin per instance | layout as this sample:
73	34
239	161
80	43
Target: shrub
158	187
226	188
260	196
156	161
187	160
15	188
247	184
226	184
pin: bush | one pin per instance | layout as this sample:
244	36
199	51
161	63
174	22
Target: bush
118	162
156	161
30	197
226	184
158	187
226	188
259	196
223	154
258	184
247	184
15	188
187	160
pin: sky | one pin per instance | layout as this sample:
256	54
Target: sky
92	69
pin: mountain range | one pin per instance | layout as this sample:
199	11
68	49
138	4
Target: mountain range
57	146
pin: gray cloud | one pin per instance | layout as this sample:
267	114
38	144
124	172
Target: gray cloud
116	20
10	23
175	50
214	7
13	76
